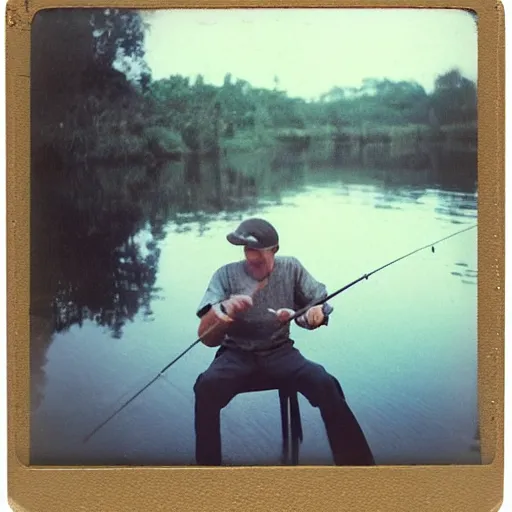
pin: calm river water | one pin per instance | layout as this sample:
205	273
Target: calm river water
402	344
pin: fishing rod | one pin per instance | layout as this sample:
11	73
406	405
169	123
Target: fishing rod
154	379
300	312
159	374
292	317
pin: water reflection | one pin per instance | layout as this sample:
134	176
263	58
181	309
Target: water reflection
451	167
98	234
86	262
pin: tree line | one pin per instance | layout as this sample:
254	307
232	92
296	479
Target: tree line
93	97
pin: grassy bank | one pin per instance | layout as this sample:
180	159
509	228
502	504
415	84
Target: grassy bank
366	134
135	142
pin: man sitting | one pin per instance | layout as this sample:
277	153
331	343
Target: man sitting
245	310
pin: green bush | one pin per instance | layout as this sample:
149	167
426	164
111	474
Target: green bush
161	141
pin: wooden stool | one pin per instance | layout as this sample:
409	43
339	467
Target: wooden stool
291	424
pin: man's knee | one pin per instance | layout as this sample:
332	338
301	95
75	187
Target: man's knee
320	386
317	375
212	390
205	382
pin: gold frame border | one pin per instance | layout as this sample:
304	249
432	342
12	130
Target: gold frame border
385	488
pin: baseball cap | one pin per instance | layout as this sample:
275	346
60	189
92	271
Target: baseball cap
254	233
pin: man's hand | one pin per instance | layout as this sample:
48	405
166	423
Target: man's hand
284	314
315	316
237	304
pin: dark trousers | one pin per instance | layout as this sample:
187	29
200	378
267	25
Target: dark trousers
233	371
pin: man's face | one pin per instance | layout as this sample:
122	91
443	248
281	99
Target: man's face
260	263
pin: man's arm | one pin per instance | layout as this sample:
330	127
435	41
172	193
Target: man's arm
213	326
315	317
216	320
308	290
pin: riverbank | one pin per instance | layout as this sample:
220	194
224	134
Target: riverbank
132	142
365	135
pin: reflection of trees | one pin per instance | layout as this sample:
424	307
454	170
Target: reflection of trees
41	330
210	185
116	284
88	264
413	163
89	261
454	168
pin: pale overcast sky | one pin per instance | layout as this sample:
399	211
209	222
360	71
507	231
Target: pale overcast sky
312	50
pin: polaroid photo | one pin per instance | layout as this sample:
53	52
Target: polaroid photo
255	256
